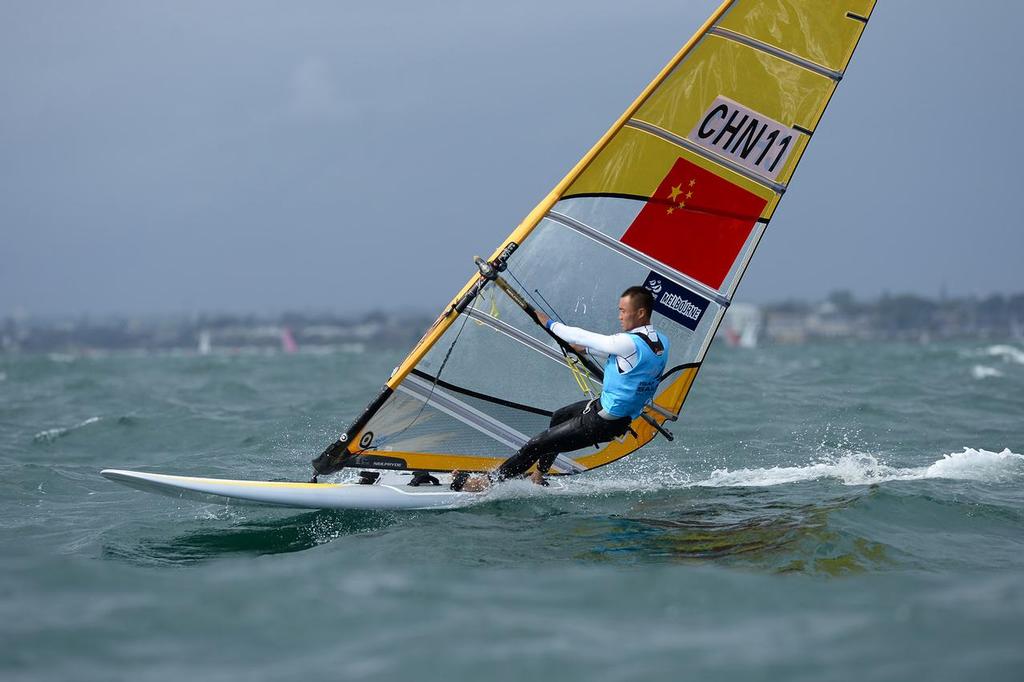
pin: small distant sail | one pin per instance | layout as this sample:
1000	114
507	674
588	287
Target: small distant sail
742	325
288	344
675	196
204	343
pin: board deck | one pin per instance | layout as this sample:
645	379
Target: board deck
390	491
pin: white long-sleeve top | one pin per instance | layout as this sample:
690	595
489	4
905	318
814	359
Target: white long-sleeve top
619	345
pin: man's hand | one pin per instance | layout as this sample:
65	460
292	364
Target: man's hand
543	319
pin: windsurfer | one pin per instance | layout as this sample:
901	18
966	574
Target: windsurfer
636	359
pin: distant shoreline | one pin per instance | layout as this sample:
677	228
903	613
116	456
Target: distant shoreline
839	316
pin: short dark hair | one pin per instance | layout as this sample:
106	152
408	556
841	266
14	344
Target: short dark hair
641	298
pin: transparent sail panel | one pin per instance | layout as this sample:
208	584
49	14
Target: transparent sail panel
490	362
581	281
406	424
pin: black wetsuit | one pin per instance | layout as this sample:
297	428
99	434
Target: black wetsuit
572	427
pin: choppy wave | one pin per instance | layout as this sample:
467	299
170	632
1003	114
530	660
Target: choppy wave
50	435
863	469
850	469
1007	353
985	372
978	465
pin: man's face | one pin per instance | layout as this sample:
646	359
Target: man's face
630	316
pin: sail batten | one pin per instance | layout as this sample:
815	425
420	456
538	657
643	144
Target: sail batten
689	146
675	196
776	52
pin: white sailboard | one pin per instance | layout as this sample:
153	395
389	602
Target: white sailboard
390	491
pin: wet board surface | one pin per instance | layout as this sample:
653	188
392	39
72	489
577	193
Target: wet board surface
390	491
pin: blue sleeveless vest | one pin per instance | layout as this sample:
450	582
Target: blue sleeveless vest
624	395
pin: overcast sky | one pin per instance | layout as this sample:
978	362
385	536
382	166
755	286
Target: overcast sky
265	156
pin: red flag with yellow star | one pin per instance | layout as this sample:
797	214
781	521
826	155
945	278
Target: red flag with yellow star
696	222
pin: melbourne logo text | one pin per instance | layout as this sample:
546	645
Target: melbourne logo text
681	306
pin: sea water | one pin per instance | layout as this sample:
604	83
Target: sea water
826	512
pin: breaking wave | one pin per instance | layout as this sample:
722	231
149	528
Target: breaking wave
1007	353
50	435
985	372
863	469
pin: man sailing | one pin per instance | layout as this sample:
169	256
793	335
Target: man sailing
636	359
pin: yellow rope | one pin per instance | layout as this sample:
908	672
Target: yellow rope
581	376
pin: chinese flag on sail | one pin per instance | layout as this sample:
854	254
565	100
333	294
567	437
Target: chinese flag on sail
696	222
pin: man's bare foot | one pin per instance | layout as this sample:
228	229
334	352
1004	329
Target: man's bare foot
474	484
538	478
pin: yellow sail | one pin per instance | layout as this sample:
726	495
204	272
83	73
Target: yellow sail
675	196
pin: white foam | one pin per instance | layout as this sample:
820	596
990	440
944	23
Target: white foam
1007	353
517	489
978	465
863	469
985	372
849	469
54	434
610	486
852	469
